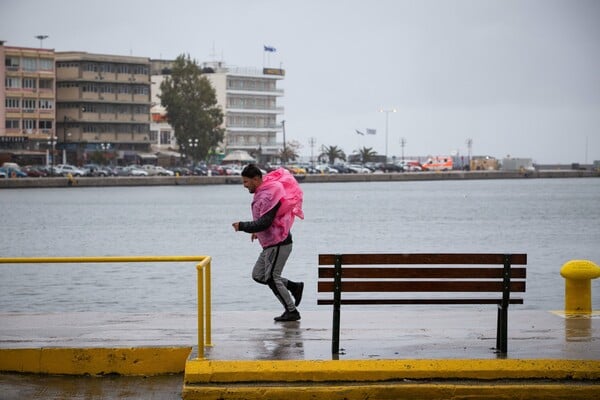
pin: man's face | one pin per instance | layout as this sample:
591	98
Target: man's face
251	183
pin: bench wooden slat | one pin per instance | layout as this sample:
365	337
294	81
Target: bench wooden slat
421	286
424	272
424	258
418	301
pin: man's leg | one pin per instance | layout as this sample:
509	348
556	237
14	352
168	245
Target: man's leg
276	282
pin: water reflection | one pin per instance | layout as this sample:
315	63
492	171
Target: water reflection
285	342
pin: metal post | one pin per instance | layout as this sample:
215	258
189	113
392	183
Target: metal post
337	297
284	152
502	329
387	117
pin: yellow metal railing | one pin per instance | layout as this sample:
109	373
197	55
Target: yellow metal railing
203	269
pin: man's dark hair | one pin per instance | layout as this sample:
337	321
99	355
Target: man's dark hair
251	171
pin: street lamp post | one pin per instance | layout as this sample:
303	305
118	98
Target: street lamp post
41	39
402	144
65	136
192	145
387	117
52	144
284	152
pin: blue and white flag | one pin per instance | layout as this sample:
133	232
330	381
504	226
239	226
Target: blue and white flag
371	131
359	132
270	49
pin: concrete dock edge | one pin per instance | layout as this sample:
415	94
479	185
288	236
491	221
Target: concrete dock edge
138	361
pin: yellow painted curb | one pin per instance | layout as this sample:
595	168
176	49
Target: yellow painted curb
204	371
95	361
396	391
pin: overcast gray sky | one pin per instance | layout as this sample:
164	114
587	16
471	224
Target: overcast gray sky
518	77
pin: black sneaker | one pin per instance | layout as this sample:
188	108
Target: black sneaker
288	316
297	293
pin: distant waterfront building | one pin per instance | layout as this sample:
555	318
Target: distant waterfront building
103	107
248	98
27	104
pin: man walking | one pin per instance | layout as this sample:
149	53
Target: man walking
277	200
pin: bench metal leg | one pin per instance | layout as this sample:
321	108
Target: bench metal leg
337	299
335	338
502	330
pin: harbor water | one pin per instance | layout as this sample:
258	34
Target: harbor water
552	220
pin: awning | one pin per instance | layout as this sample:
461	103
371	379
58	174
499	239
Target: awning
168	154
147	156
239	155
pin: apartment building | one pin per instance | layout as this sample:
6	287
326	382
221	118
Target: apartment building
27	104
248	98
103	107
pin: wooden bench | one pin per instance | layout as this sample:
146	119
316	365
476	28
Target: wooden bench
371	278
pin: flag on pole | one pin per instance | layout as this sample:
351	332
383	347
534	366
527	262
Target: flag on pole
270	49
371	131
359	132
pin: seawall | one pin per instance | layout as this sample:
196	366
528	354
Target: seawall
316	178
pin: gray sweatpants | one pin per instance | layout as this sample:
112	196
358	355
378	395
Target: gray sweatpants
268	269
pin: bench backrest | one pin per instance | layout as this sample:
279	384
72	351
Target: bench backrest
378	273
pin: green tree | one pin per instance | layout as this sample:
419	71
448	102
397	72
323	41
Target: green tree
192	109
366	154
333	152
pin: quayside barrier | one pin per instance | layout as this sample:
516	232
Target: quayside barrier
204	287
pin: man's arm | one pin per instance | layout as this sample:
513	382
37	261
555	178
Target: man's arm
260	224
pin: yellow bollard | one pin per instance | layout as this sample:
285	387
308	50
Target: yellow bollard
578	276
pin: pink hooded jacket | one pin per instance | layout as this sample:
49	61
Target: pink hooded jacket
278	185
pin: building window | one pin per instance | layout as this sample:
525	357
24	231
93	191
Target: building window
91	67
29	83
12	124
165	137
14	83
90	87
11	63
30	64
29	125
46	64
12	103
29	104
46	104
45	124
46	84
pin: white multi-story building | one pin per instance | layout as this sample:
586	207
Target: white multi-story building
248	98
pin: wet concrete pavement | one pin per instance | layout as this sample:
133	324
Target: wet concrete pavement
366	333
396	333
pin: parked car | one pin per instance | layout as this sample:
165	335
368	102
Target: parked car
11	172
34	171
2	173
359	169
134	170
66	169
181	171
410	165
156	170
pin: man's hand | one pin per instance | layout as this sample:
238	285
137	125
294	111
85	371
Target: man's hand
236	226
